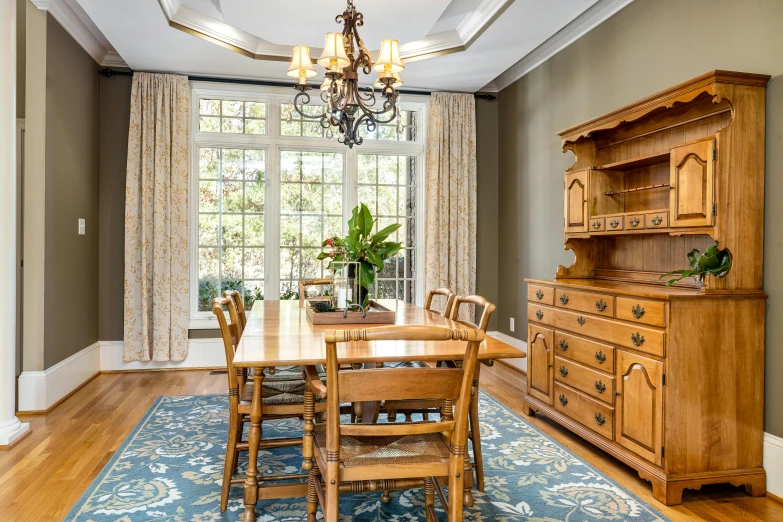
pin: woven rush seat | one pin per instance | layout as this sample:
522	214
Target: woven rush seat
289	373
277	392
387	450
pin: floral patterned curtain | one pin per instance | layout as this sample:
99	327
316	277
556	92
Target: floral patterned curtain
450	239
156	220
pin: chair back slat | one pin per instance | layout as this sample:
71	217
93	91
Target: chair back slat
228	343
448	297
240	305
399	384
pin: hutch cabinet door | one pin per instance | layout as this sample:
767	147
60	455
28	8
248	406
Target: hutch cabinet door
639	405
540	358
576	201
692	176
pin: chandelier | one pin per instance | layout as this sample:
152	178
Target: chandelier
349	106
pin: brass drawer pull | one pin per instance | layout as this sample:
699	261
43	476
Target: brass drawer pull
596	225
600	419
600	305
563	399
657	220
540	295
614	223
638	311
563	371
539	314
563	344
637	338
634	222
581	320
600	357
564	299
600	386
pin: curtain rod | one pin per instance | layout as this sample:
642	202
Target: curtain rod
108	72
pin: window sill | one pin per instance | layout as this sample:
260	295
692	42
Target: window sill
203	323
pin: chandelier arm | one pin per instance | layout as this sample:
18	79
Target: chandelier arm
306	97
388	106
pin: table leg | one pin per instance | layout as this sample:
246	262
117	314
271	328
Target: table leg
370	409
475	430
256	416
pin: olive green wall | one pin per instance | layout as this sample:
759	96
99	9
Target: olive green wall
115	94
21	35
487	204
646	47
70	319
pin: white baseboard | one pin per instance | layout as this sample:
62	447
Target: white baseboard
202	353
773	463
39	391
516	343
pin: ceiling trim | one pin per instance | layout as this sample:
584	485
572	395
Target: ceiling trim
578	27
88	36
218	32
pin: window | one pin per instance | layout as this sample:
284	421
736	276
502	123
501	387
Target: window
268	186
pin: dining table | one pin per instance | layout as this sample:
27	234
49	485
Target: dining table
279	333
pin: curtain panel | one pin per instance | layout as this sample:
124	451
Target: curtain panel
156	220
450	223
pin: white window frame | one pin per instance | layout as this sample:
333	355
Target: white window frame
272	142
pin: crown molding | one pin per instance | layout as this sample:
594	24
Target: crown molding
578	27
83	30
478	20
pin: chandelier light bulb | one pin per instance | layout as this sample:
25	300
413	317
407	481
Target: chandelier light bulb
381	76
334	57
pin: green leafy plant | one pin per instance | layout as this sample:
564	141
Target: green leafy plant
711	262
361	245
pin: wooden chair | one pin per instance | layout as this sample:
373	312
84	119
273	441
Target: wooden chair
240	306
312	282
281	399
425	407
445	292
356	457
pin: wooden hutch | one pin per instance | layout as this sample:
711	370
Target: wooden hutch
668	380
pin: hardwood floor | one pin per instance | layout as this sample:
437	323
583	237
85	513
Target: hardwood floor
42	477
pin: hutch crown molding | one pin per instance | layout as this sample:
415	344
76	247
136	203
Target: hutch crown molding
668	380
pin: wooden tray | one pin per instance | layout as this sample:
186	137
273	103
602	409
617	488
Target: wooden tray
376	314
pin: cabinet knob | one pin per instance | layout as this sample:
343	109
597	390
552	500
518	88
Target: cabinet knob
600	419
634	222
548	365
600	305
563	344
657	220
637	311
539	314
563	399
581	320
596	225
614	223
637	338
540	295
600	357
563	371
564	299
616	394
600	387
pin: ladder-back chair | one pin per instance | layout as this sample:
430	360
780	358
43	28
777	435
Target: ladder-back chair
448	296
366	457
303	285
281	399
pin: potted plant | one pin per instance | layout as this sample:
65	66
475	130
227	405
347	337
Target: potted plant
711	262
361	245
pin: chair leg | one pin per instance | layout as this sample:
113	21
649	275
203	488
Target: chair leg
312	495
475	430
429	498
392	416
230	465
332	508
309	427
456	473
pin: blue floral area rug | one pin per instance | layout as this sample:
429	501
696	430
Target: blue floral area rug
170	469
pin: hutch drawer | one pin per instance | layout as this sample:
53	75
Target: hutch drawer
656	220
634	222
597	355
591	382
611	331
641	311
585	410
597	225
614	223
601	304
541	294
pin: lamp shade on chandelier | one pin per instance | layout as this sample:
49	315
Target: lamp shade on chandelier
349	106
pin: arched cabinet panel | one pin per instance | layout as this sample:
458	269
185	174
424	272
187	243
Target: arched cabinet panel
692	175
576	201
540	357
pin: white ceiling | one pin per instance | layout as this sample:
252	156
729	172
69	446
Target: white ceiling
139	31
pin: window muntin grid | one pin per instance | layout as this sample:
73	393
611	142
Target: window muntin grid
231	205
232	116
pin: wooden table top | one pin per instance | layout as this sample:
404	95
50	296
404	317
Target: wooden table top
278	333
